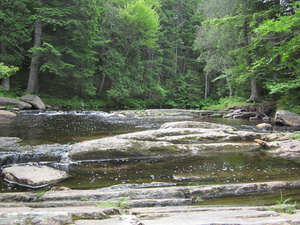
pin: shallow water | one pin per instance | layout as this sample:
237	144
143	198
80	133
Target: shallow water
64	127
197	170
46	127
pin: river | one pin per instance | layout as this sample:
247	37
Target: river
68	127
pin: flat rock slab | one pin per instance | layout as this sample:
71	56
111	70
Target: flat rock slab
33	176
52	216
197	216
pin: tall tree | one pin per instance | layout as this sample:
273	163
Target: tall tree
283	34
129	29
179	20
15	28
233	55
65	34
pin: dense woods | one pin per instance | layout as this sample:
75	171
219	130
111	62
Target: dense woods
151	53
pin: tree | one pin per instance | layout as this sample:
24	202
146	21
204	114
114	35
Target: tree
65	34
283	33
7	71
228	48
15	28
129	30
179	20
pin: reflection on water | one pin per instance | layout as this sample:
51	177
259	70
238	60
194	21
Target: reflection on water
197	170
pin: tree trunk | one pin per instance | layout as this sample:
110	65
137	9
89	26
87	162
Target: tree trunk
102	83
206	85
4	81
34	66
254	90
229	87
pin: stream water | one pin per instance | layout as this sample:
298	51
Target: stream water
68	127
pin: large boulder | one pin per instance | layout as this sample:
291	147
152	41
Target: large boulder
35	101
284	117
33	176
14	102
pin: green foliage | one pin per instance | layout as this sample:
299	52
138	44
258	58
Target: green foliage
7	71
123	203
284	52
153	54
285	205
296	136
289	102
142	22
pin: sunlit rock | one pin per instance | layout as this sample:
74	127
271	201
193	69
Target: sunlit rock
264	126
33	176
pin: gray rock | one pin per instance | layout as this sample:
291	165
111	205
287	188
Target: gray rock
288	118
14	102
193	124
289	149
172	138
35	101
264	126
5	113
33	176
37	218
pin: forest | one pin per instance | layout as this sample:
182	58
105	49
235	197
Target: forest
151	53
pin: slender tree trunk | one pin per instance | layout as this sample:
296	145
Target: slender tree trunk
5	83
34	66
206	85
176	61
102	83
229	87
254	90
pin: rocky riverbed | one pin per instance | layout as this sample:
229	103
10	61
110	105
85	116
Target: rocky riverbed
129	204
